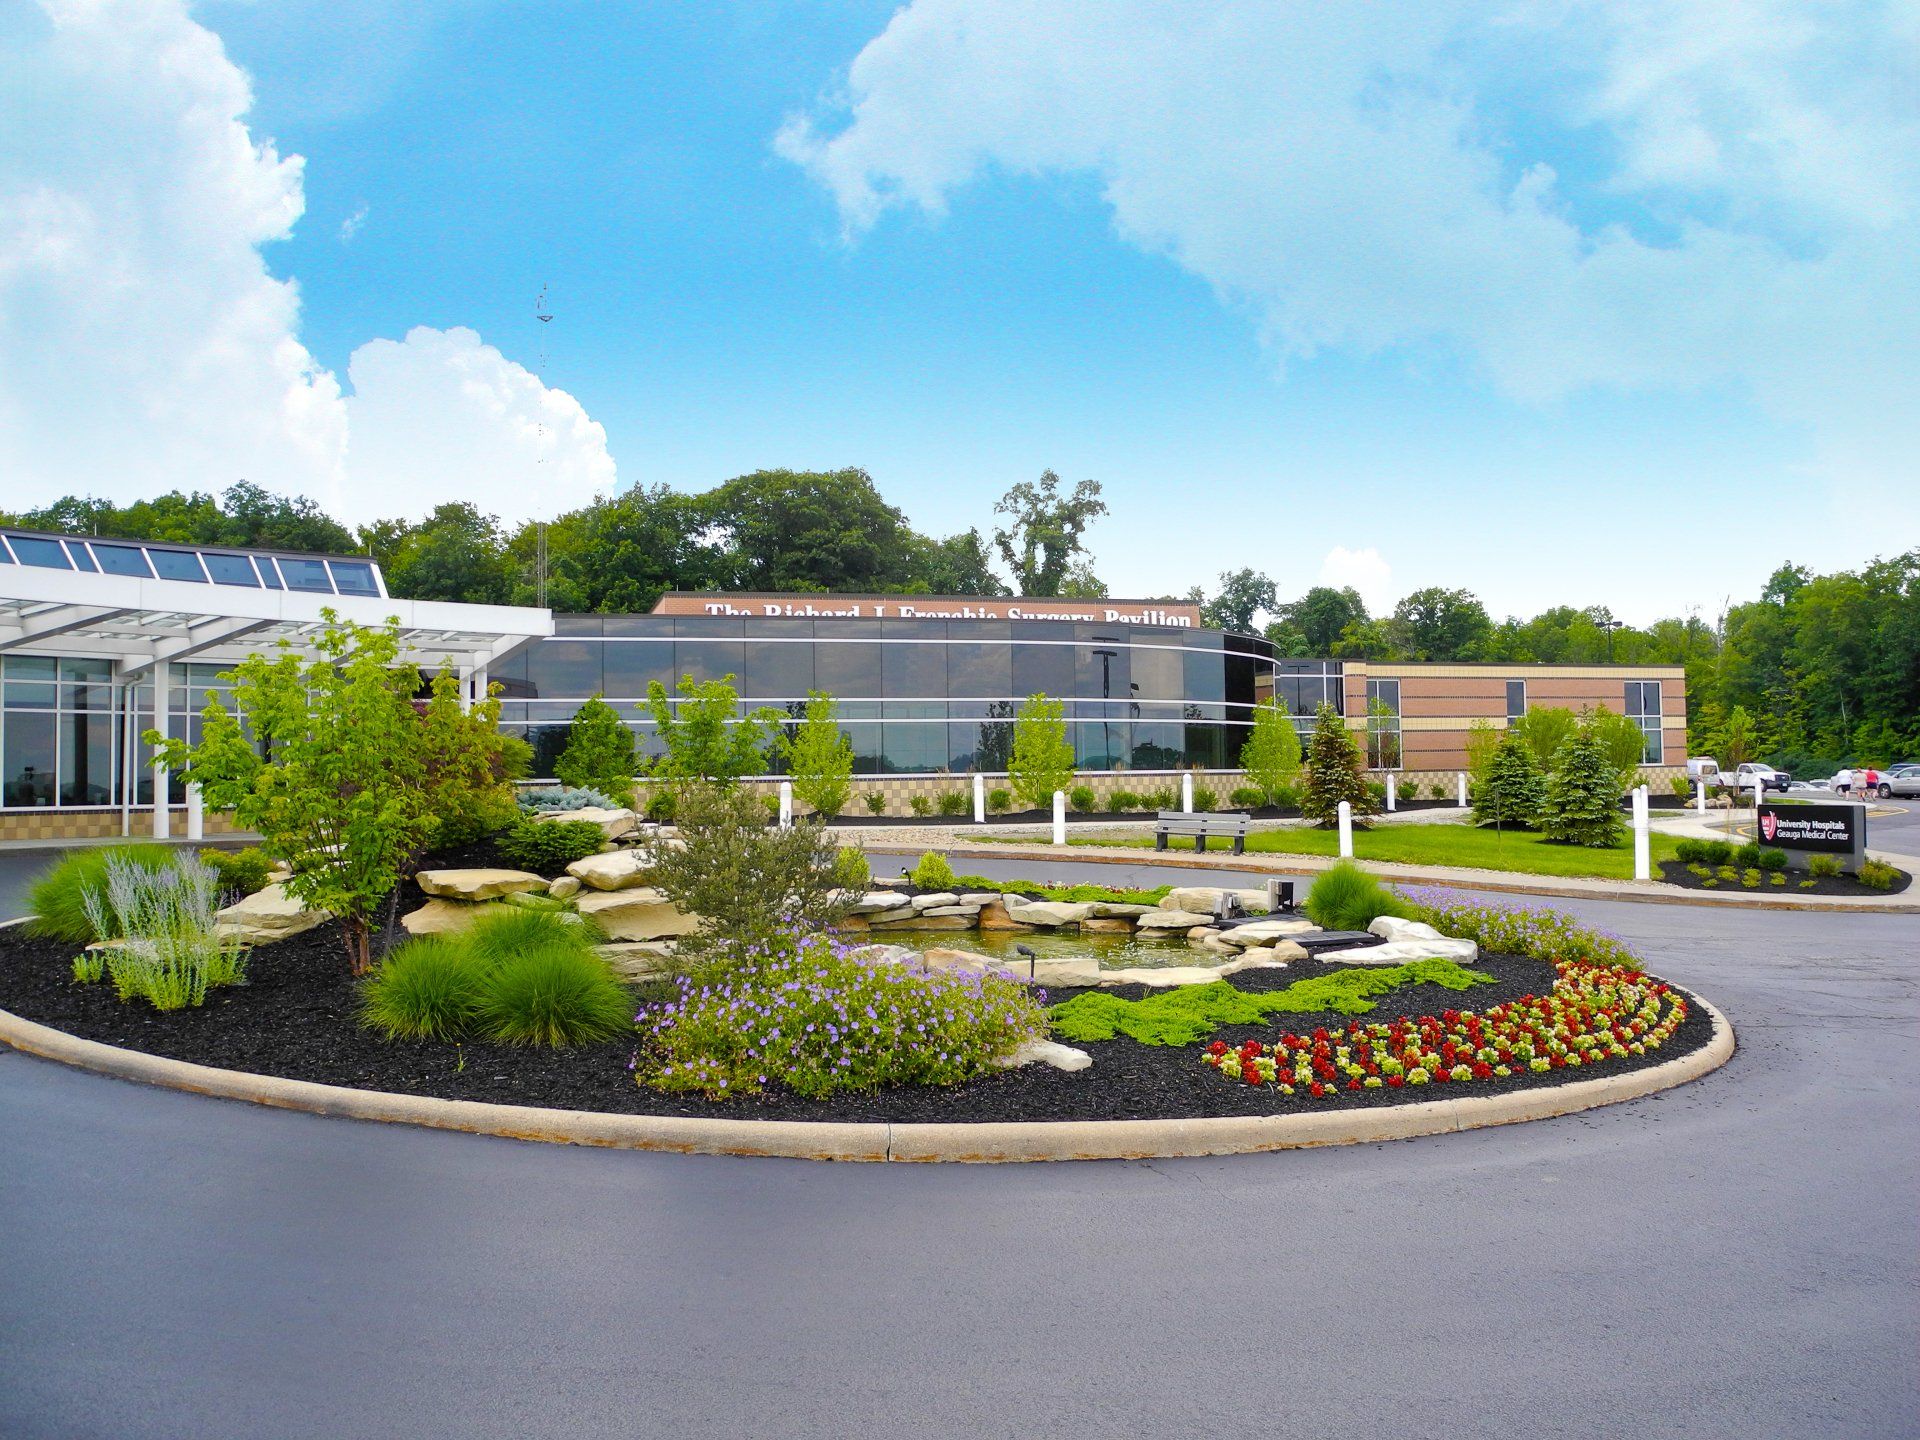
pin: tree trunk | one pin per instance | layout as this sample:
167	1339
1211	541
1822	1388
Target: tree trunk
353	930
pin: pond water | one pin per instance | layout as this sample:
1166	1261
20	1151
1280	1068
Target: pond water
1114	952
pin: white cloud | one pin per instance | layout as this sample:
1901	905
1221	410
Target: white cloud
144	344
1738	209
352	225
1365	571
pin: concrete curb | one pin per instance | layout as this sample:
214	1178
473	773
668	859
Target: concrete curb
880	1141
1500	882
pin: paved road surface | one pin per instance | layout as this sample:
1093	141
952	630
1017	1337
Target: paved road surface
1736	1258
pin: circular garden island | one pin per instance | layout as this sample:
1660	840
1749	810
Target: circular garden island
601	964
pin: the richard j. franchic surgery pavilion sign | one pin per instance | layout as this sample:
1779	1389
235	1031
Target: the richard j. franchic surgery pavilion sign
1174	613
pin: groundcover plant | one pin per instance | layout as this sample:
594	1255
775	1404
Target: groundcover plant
1593	1014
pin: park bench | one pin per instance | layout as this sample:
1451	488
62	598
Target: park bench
1202	828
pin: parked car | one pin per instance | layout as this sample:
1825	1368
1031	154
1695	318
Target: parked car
1854	781
1900	780
1742	777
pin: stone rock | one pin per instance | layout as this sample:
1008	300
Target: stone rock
994	916
639	960
1048	914
944	957
472	885
978	897
885	918
1167	918
614	824
616	870
1116	910
1264	932
445	917
1046	1052
850	922
1391	927
935	901
870	902
1399	952
266	915
933	922
1163	977
565	886
1278	950
884	954
1106	925
1205	897
966	911
1203	932
643	914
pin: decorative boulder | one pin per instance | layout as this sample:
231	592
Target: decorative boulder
1169	918
639	960
643	914
1046	1052
565	886
473	885
1399	952
614	824
1391	927
994	916
1206	897
1049	914
1116	910
444	917
936	900
266	915
1104	925
614	870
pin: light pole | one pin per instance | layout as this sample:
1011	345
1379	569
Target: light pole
1608	624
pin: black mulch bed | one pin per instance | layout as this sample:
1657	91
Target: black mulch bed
1675	872
295	1019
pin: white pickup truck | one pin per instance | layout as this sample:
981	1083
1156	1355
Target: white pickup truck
1705	770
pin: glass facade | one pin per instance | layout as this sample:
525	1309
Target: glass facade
924	696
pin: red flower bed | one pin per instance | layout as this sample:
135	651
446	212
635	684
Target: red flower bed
1594	1013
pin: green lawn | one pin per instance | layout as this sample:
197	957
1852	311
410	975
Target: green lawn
1442	844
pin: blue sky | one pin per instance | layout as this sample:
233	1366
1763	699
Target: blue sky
1503	305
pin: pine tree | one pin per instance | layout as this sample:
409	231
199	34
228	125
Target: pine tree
1042	758
599	754
1513	789
1271	756
820	758
1583	794
1333	771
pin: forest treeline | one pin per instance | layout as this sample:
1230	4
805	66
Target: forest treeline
1826	667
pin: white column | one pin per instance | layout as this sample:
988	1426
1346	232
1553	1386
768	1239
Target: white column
196	814
1059	817
1642	843
1393	793
481	683
161	706
1346	831
465	672
1463	789
1186	793
1700	796
786	804
979	798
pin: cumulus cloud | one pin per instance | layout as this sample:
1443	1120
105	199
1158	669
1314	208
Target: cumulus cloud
1363	570
144	342
1738	208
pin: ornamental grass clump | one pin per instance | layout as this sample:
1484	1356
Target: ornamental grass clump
426	989
809	1015
555	995
58	900
1347	898
171	952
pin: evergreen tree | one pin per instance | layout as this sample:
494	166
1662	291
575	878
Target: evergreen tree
1583	794
1042	759
1333	771
820	758
1271	756
1513	789
599	754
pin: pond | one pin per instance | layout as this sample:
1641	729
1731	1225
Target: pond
1114	952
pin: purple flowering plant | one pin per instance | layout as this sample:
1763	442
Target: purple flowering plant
810	1013
1535	932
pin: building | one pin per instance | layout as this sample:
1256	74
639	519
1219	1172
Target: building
100	640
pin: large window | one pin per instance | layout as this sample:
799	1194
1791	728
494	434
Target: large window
1383	724
1516	700
1643	707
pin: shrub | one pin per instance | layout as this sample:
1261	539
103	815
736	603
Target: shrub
1583	794
851	869
1514	790
1205	798
953	802
1690	852
1681	786
1771	860
599	753
1748	855
816	1020
426	989
241	872
555	995
1716	852
1165	798
1536	933
999	801
1750	878
58	899
876	802
1042	758
549	846
1247	797
662	806
820	757
933	873
90	968
565	797
171	953
1081	798
1123	800
1286	797
1333	771
1345	897
1878	875
921	804
1823	867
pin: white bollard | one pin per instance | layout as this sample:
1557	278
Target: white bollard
1700	796
786	804
1186	794
1463	789
1059	817
196	814
1393	794
1346	831
979	799
1642	843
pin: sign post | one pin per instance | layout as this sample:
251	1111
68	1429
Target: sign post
1059	817
1346	830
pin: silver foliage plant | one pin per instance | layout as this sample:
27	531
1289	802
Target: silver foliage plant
565	797
172	953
